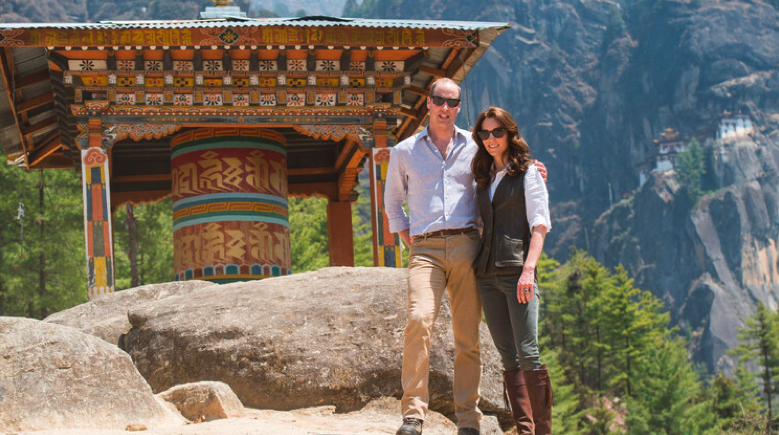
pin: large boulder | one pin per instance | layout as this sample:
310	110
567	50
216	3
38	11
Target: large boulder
106	316
53	376
331	337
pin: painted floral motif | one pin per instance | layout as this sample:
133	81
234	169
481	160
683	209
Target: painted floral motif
268	100
241	82
296	100
86	65
357	66
212	99
355	100
391	66
267	65
182	100
125	99
153	65
212	65
325	100
153	99
328	65
183	65
228	36
296	65
356	82
240	100
240	65
125	65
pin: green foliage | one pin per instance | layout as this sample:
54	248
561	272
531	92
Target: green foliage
308	233
42	267
154	243
759	345
668	397
691	168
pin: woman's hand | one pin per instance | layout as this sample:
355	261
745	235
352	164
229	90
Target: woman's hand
541	169
525	289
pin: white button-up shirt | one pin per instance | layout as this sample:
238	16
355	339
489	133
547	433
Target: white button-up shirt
441	193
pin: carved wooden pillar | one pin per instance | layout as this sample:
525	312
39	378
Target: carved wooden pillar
386	245
97	203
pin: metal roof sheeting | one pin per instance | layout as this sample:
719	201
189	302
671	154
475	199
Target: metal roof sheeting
316	21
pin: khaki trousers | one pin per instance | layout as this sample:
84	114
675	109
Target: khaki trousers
437	264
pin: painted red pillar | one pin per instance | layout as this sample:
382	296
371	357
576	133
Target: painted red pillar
339	233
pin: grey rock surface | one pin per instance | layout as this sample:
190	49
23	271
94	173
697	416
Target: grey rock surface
331	337
106	316
53	376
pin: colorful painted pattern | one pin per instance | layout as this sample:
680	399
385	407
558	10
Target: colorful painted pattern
387	243
97	222
230	215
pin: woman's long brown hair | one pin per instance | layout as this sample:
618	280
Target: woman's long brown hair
519	157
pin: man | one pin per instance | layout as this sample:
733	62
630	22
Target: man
432	171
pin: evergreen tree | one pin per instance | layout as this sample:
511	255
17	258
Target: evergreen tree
690	167
759	344
634	322
667	395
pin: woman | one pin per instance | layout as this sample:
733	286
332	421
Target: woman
514	205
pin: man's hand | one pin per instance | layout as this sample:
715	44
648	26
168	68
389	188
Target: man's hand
541	169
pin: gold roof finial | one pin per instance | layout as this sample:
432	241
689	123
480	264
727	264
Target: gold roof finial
221	3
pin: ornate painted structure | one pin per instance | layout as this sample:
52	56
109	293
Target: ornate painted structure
230	116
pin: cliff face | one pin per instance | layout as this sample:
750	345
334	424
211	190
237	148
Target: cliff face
592	85
710	263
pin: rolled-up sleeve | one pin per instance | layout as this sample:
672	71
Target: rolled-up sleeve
536	199
395	191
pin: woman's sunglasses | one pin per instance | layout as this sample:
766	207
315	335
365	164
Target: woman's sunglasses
497	133
439	101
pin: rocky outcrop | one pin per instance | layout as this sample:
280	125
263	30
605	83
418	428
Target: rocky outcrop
106	316
204	401
713	261
331	337
52	376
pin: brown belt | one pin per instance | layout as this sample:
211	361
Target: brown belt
444	233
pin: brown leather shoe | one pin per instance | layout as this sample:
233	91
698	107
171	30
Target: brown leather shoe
539	387
520	402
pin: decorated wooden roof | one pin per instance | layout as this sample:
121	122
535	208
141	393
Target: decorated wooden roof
325	83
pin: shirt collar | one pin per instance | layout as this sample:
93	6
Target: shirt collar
464	134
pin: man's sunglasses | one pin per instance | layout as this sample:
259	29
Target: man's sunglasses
439	101
497	132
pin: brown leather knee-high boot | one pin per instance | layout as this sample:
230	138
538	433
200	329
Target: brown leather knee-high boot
539	388
519	401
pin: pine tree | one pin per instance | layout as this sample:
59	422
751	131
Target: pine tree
690	167
634	322
759	344
667	396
